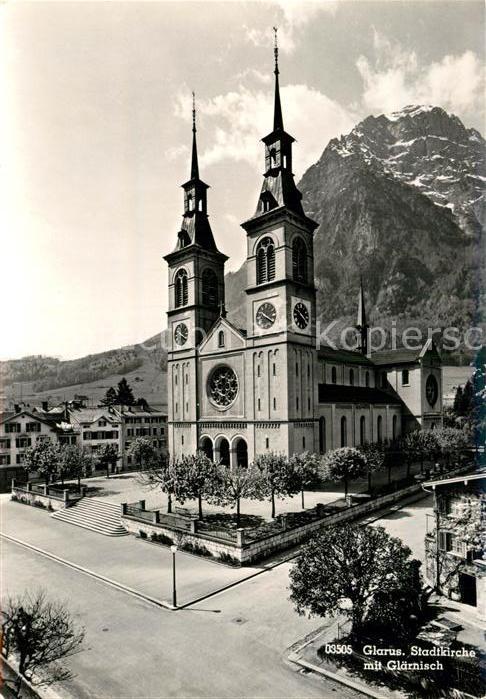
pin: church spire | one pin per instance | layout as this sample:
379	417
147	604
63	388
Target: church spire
277	110
362	326
194	161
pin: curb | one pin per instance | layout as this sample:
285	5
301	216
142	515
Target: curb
90	573
342	679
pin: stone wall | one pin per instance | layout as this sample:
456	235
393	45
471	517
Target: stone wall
29	496
247	552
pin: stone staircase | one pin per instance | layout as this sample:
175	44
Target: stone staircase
94	514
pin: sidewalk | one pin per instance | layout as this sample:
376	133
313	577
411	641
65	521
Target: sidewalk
144	567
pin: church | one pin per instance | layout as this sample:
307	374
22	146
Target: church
238	392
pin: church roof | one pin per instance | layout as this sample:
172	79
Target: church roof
334	393
397	356
343	356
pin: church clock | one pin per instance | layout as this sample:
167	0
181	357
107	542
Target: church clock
181	333
301	315
266	315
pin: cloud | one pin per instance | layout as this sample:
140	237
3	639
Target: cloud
292	17
235	122
395	78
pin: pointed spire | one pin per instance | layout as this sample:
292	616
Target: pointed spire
277	110
361	306
194	162
362	326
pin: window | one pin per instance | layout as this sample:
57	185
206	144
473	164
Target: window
5	459
296	368
362	430
379	429
275	404
33	427
4	443
209	288
394	427
297	402
322	435
308	371
265	261
351	377
344	432
267	443
308	404
451	542
453	506
274	369
22	442
299	260
333	375
221	341
182	440
259	404
258	370
12	427
303	442
405	378
367	379
181	288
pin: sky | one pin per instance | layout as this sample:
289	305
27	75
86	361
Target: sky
95	135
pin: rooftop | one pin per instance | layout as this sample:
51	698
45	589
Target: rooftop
333	393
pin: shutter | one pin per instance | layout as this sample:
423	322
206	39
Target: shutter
442	541
270	263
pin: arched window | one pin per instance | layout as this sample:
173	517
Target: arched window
209	288
207	447
224	452
242	453
334	375
394	427
379	429
181	288
362	430
299	260
265	261
344	432
221	338
322	435
351	377
367	379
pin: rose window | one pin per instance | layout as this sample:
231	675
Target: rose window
223	386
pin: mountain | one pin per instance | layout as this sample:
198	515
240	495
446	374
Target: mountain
400	201
37	378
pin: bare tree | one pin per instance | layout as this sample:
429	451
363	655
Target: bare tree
37	634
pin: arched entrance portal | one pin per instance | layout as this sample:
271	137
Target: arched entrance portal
207	447
241	453
224	452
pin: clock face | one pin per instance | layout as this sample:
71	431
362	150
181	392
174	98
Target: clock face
266	315
301	315
432	390
223	386
181	333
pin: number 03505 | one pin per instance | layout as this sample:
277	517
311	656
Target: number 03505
337	649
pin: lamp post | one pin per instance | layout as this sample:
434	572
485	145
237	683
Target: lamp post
174	591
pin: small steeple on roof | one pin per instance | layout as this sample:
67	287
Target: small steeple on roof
194	160
277	109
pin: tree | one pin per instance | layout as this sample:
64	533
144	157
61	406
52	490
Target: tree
107	456
305	466
277	477
344	465
163	475
124	393
233	484
74	462
345	569
143	452
194	479
450	443
374	455
43	458
38	633
111	397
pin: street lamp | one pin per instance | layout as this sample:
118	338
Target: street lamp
174	592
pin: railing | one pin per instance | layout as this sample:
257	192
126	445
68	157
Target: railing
49	491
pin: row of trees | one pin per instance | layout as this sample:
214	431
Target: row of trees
196	477
59	462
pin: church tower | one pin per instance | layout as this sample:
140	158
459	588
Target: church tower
196	300
362	325
281	296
